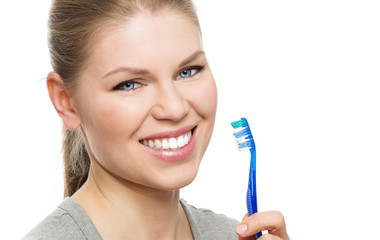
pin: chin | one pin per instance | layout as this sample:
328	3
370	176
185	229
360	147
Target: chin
176	181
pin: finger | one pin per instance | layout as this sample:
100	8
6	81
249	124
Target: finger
247	238
270	237
263	237
272	221
242	229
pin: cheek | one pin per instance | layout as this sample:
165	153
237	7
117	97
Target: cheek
203	99
203	96
110	121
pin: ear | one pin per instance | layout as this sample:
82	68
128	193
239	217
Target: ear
62	101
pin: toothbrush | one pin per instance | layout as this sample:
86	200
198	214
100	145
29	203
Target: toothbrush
245	140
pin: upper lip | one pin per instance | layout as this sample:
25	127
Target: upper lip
171	133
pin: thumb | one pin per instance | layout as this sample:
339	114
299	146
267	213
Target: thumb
242	229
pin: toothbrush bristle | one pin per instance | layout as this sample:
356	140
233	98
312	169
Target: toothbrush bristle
240	123
243	134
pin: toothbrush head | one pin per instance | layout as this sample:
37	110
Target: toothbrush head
243	135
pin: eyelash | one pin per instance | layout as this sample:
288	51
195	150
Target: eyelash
196	67
134	82
120	85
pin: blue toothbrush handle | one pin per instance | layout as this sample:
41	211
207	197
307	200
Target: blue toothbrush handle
252	196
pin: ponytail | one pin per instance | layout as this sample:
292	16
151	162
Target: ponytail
76	161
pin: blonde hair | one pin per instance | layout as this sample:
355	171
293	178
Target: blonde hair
73	25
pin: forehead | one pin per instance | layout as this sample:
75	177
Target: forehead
145	40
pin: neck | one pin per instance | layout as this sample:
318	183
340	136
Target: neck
131	211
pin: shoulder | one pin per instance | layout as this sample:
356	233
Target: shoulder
68	221
209	225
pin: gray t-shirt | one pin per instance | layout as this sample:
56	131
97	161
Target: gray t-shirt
70	221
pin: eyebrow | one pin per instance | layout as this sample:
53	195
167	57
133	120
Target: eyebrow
136	71
139	71
191	58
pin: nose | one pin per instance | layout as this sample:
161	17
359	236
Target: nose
170	103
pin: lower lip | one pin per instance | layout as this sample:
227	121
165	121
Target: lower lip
174	155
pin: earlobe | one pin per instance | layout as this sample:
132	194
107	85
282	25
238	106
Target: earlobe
61	100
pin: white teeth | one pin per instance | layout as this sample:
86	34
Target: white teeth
181	141
170	143
165	144
151	144
157	144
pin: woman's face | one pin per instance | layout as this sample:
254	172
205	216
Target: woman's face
147	101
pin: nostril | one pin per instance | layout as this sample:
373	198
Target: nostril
170	104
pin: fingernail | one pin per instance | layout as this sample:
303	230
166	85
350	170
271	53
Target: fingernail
241	228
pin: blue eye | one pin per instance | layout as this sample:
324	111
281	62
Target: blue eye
189	72
127	86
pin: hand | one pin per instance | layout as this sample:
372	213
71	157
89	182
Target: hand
273	222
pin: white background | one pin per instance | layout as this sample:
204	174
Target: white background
306	74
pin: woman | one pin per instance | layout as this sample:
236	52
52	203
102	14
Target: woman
138	100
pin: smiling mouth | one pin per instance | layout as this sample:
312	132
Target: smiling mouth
169	143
